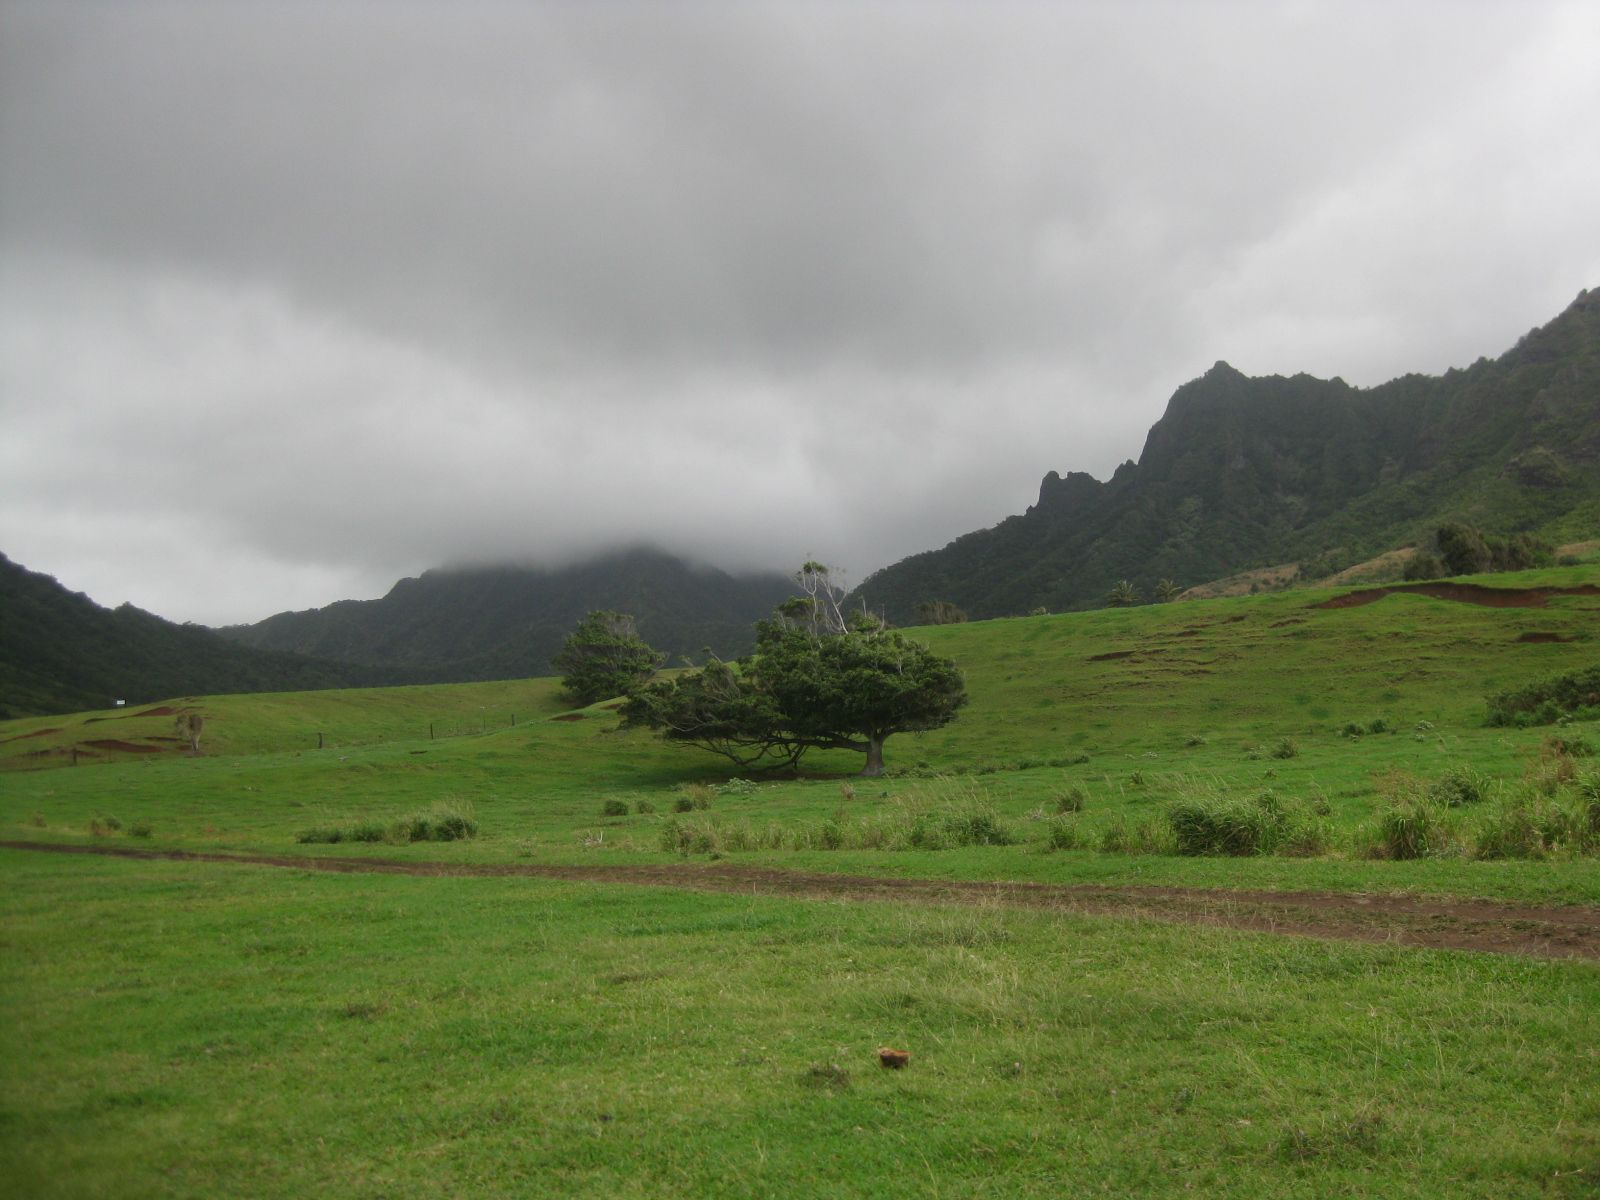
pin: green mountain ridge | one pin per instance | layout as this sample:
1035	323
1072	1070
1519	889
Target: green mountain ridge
500	622
1244	472
62	652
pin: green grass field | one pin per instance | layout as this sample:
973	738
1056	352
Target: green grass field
187	1029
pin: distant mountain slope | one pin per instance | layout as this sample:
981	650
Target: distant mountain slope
507	621
62	652
1242	473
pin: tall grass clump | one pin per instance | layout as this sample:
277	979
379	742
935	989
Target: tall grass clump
446	821
1459	787
1208	822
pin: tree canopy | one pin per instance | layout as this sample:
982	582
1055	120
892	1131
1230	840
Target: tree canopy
815	681
605	657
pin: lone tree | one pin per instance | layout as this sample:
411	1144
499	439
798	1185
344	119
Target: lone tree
814	681
1167	591
605	657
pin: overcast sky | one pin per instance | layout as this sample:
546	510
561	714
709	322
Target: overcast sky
296	300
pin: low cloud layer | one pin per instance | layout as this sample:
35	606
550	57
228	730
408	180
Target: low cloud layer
296	300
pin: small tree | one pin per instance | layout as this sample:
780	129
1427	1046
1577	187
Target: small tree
1167	590
605	657
814	681
1122	595
1463	549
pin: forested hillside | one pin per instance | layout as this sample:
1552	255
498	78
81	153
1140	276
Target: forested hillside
508	621
61	652
1243	472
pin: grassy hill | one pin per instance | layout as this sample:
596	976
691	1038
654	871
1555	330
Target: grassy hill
1243	472
187	1028
1182	696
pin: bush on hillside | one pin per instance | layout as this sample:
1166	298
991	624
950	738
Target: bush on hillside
1543	703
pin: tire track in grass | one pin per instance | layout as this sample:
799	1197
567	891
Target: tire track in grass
1544	932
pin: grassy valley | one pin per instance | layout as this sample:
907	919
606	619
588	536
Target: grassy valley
512	1017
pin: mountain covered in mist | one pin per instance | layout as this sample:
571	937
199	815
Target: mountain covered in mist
62	652
504	622
1244	472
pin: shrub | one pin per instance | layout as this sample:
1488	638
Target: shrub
1147	837
140	830
1423	565
1070	801
614	808
644	807
1544	702
1286	748
695	796
1063	833
1378	725
1194	739
1410	827
1458	787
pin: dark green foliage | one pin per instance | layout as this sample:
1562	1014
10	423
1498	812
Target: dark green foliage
1458	787
1286	748
605	657
1423	566
1544	702
1465	550
61	652
614	808
1462	549
939	612
805	687
1243	473
1122	594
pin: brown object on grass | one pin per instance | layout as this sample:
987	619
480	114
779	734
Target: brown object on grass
893	1058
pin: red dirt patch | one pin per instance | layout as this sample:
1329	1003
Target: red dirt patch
1570	932
1464	593
569	717
125	747
35	733
1545	637
165	710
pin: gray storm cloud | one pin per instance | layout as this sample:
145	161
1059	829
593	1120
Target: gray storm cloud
297	299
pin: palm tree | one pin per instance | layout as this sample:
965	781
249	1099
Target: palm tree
1123	595
1167	590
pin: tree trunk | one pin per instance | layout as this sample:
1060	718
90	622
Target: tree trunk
874	765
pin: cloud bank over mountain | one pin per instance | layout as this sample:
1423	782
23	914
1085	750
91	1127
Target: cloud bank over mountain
295	300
